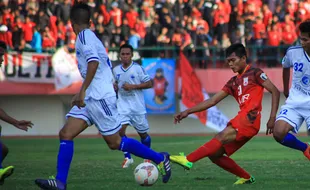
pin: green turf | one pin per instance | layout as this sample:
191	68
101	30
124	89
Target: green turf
96	167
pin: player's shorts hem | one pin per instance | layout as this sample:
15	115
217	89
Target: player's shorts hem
110	131
293	124
142	131
80	116
126	122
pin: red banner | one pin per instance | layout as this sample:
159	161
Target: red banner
191	88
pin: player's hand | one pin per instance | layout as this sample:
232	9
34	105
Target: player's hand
180	116
270	125
23	125
128	87
78	100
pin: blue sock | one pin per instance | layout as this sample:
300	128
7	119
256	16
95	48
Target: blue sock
292	142
65	155
0	154
135	147
127	154
146	141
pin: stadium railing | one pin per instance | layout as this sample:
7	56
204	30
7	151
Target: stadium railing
201	57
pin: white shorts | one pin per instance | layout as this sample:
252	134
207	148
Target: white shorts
139	122
295	117
103	113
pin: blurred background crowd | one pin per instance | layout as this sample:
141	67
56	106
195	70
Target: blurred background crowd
189	25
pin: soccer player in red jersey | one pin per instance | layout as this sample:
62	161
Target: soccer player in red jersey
247	87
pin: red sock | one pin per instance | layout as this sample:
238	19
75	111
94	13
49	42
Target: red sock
205	150
231	166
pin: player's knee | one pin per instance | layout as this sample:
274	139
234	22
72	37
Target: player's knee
65	134
143	135
280	130
214	158
227	135
113	142
114	145
122	133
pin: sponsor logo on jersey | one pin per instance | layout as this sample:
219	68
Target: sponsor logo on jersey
263	76
245	81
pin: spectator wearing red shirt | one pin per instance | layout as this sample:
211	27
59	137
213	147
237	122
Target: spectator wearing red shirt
259	30
267	14
6	36
288	36
28	30
220	21
274	40
132	16
61	33
116	14
48	42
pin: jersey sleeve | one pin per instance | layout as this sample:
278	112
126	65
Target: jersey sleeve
143	76
114	74
228	87
88	46
260	76
286	61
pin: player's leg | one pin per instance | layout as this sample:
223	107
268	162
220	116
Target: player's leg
243	127
78	120
7	171
141	125
115	142
106	119
228	135
289	120
127	157
230	165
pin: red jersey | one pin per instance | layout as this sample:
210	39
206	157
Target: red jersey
160	86
247	89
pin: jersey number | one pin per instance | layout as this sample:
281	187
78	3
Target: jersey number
283	112
298	67
239	90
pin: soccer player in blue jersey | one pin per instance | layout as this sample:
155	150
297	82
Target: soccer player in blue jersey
297	105
22	125
131	79
95	104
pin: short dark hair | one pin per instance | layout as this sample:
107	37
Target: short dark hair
80	13
126	46
3	45
304	27
237	48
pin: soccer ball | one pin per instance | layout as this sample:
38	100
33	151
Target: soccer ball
146	174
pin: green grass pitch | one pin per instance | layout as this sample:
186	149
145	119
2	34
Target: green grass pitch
95	167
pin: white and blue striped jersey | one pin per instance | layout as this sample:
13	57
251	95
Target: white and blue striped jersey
89	48
299	94
130	102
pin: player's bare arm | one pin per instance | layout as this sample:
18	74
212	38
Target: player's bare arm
23	125
274	104
141	86
91	71
201	106
286	80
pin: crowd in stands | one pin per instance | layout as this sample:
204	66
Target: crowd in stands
186	24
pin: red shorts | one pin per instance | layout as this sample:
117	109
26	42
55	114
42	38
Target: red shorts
245	128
